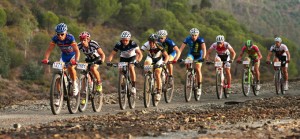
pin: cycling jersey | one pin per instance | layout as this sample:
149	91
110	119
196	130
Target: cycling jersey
126	51
90	52
221	50
279	51
252	53
168	45
194	46
66	46
154	54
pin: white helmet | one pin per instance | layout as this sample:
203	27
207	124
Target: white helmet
125	35
220	38
162	33
278	39
194	31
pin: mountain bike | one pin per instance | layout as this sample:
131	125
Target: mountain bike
61	89
87	83
167	84
190	85
125	85
150	85
278	78
249	80
221	81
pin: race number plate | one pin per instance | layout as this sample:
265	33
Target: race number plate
218	64
58	65
188	61
277	64
246	62
148	67
82	66
122	64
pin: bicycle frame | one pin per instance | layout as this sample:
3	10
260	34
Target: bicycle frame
278	77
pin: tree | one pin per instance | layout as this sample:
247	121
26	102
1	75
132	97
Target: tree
49	20
2	17
4	55
130	15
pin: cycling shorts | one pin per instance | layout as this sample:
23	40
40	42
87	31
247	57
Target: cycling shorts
191	57
282	59
67	57
130	59
223	58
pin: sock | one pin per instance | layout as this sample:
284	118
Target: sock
133	83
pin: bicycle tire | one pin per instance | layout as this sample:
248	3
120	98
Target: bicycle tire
122	91
246	83
130	96
277	82
56	94
282	84
84	92
147	91
72	101
167	89
188	86
225	90
197	97
254	86
154	101
97	98
219	85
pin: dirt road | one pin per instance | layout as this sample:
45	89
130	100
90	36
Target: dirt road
267	115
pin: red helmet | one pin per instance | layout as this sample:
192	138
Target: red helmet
84	35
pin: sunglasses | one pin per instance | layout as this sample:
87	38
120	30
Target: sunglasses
161	38
60	34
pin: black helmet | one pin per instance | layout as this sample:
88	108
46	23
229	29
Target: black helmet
152	37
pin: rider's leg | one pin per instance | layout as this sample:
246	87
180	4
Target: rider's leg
72	71
132	74
158	78
170	66
94	70
198	73
256	70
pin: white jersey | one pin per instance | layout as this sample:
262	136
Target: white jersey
223	50
155	52
279	51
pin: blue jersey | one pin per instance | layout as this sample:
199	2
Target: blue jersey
194	46
168	45
65	45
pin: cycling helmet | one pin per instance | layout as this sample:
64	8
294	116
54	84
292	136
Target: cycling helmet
61	27
125	35
84	35
194	31
152	37
249	43
278	39
162	33
220	38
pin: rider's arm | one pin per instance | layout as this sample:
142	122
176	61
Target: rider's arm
259	55
49	50
139	55
208	53
269	55
232	52
288	55
182	47
203	47
165	54
101	53
240	55
178	53
76	50
111	55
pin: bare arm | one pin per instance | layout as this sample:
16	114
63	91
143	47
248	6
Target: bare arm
203	47
165	54
76	50
259	55
182	47
139	55
112	54
232	52
102	55
269	55
240	55
178	53
48	51
207	55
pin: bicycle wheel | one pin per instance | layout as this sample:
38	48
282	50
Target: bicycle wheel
84	93
130	96
154	101
122	90
97	98
282	83
167	87
277	82
254	85
225	89
246	82
56	94
147	91
72	101
219	85
188	87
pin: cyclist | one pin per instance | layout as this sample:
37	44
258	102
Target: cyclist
171	48
197	51
70	52
129	52
156	52
281	54
93	53
253	55
223	53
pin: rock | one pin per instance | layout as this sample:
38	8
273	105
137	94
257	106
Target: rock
17	125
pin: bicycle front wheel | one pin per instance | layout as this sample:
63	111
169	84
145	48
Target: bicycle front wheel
219	85
282	82
246	82
147	91
188	87
154	101
72	101
131	97
277	82
196	96
168	87
56	94
122	90
97	99
84	93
